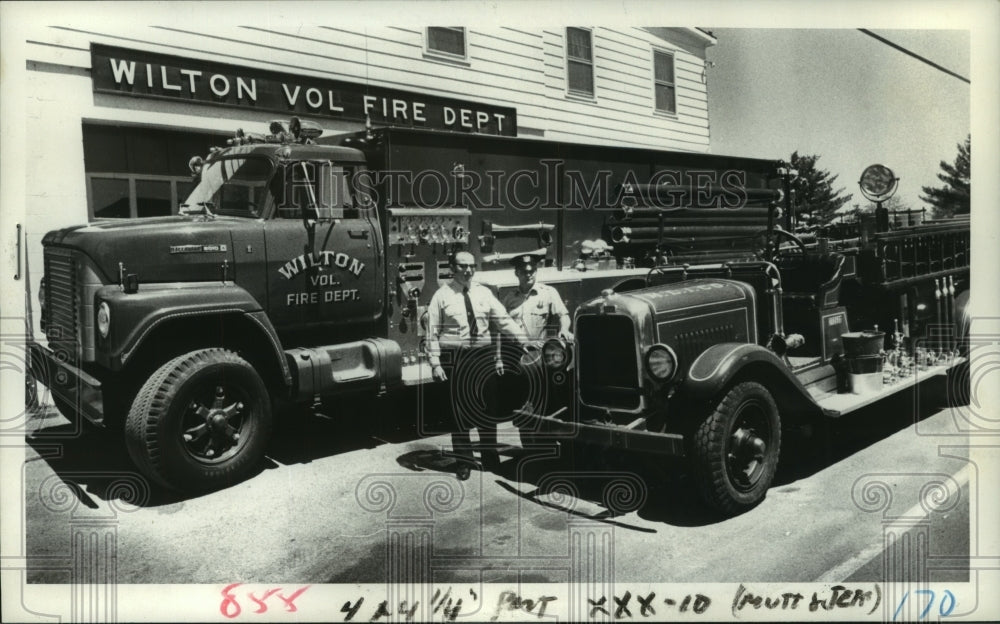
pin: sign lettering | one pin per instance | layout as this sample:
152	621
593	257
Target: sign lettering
140	73
337	259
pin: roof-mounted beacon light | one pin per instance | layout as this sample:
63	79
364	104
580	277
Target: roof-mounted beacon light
304	131
195	165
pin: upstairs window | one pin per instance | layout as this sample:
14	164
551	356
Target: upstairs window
663	82
579	62
446	40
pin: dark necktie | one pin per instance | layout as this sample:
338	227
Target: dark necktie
470	314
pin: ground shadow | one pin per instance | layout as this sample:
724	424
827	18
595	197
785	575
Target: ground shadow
614	483
670	495
94	463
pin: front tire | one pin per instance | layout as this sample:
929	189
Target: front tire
735	449
200	422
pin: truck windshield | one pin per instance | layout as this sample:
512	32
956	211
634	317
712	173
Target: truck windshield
232	186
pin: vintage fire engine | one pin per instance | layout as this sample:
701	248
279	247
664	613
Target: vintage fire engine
718	350
292	275
295	274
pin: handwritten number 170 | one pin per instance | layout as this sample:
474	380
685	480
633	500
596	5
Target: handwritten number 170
945	607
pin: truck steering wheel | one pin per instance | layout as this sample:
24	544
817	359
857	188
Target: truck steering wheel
762	237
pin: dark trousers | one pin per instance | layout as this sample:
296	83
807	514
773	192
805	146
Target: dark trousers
471	398
527	384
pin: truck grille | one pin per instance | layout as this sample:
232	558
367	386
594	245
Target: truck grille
62	305
608	362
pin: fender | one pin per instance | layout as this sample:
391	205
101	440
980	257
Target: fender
719	364
134	316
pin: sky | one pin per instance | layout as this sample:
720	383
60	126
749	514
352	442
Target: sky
845	96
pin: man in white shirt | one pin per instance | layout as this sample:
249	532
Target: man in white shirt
460	319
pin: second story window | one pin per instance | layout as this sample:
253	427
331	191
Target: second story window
446	41
663	82
579	62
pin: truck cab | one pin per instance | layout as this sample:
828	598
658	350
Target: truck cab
182	330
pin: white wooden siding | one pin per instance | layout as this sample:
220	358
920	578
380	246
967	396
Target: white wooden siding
519	67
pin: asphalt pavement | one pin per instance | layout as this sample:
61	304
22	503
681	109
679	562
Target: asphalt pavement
349	492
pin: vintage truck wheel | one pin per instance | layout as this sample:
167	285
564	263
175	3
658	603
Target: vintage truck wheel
735	449
200	422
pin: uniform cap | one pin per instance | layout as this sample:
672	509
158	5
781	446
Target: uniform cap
526	260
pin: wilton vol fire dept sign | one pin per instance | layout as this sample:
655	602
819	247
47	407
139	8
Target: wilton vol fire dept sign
147	74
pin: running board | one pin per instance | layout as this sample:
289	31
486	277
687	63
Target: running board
835	404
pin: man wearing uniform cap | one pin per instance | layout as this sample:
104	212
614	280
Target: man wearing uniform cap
535	306
460	317
538	310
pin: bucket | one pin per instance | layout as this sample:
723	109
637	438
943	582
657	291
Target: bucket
858	344
864	364
866	383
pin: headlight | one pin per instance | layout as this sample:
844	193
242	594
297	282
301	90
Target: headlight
104	319
661	362
556	354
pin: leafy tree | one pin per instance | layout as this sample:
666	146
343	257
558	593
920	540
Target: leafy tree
816	200
953	197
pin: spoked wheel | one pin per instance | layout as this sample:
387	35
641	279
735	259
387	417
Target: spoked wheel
736	449
212	426
200	422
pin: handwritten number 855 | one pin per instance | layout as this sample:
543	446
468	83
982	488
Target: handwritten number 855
945	607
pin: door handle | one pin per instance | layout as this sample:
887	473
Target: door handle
357	233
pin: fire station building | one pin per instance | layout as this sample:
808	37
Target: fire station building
125	109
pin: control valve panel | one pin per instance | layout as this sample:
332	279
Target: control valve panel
428	226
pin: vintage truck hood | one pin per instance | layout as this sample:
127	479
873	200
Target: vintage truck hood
679	299
689	315
163	249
